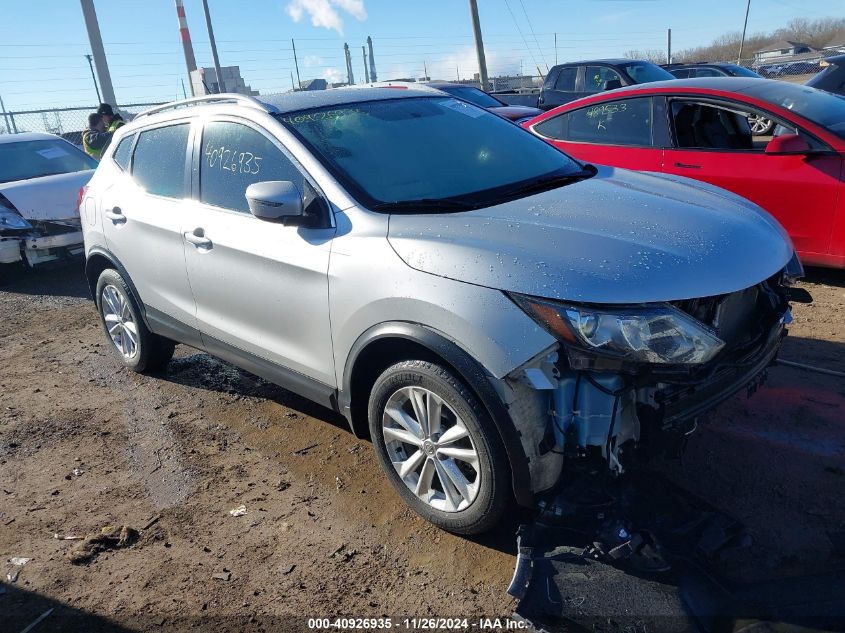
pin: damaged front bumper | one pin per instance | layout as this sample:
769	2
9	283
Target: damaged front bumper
42	242
567	412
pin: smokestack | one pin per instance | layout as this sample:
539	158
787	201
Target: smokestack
372	60
349	76
190	60
366	72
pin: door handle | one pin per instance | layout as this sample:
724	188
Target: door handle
116	215
687	166
197	238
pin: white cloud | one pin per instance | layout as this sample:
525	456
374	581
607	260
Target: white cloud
310	61
334	75
461	60
324	13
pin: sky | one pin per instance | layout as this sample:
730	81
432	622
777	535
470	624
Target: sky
43	64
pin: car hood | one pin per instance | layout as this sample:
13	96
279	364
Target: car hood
619	237
48	197
516	112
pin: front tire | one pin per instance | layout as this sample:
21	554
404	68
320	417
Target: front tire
439	447
138	348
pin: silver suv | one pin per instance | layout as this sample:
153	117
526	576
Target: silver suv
482	306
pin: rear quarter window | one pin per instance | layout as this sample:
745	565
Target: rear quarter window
122	152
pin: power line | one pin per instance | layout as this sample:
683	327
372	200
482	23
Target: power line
531	26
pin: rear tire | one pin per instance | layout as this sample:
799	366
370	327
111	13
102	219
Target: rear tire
451	468
137	348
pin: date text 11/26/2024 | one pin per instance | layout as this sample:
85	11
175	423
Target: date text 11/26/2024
419	624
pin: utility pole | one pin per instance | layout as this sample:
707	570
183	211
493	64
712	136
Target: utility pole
350	77
91	66
296	64
479	45
373	77
555	49
185	94
221	85
669	46
99	53
425	71
187	46
744	27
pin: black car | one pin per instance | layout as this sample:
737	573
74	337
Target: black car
832	78
567	82
708	69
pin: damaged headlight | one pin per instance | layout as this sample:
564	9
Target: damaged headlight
659	334
11	220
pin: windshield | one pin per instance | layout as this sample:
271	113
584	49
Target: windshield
739	71
30	159
644	72
427	150
820	107
473	95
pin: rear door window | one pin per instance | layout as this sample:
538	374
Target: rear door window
235	156
566	79
159	160
623	122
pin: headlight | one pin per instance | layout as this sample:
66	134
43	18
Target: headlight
658	334
11	220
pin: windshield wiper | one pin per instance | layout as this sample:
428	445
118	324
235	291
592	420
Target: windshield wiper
553	182
424	204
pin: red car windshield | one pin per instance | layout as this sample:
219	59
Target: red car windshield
820	107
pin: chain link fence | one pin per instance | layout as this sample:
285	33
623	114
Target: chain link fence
68	123
518	90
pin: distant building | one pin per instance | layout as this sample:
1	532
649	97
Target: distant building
315	84
783	51
204	81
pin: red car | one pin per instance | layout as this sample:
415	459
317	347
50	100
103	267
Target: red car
699	128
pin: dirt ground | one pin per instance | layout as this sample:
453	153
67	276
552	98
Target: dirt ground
85	444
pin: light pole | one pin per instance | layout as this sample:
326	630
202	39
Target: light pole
94	77
479	45
221	85
744	27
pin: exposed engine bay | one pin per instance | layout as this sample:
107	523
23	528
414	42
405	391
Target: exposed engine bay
600	407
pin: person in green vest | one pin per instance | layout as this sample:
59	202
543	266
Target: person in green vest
112	120
95	138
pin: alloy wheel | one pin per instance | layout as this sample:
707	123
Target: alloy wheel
759	124
119	321
431	449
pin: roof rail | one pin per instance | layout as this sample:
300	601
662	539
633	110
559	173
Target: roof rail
206	99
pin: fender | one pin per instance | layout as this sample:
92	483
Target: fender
115	263
469	370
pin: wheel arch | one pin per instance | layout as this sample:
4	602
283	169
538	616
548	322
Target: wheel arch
96	262
390	342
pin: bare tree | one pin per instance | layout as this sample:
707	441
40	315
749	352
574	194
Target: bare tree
653	55
816	33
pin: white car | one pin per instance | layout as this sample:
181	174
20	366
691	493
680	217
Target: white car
40	180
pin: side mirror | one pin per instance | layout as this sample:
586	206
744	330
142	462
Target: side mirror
275	201
788	144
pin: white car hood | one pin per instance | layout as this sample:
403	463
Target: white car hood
48	197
